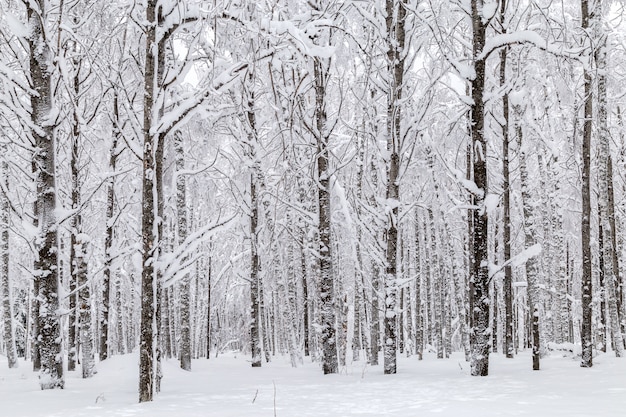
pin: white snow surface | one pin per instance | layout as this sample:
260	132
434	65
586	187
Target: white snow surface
228	386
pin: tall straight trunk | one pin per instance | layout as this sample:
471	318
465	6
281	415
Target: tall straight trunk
78	252
209	271
530	239
436	278
603	292
47	279
327	304
616	264
255	179
79	243
509	350
185	282
395	21
419	319
108	239
255	310
586	289
376	309
429	312
5	278
287	291
480	334
360	320
459	289
605	171
72	334
120	320
84	306
148	220
305	296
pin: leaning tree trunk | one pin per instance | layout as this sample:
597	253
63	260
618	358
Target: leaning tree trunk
47	279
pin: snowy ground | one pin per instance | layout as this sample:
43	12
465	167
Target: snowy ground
228	386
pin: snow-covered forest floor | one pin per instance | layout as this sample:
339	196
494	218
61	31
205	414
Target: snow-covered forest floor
228	386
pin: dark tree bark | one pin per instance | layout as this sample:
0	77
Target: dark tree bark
148	212
509	350
480	333
209	271
395	38
108	238
586	289
327	305
5	278
605	184
185	282
530	239
419	308
46	267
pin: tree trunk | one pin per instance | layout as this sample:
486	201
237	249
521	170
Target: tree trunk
208	300
148	212
506	232
375	325
586	290
419	308
530	239
395	38
5	279
480	334
108	239
185	284
47	279
605	171
327	304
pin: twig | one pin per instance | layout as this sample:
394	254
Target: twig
255	394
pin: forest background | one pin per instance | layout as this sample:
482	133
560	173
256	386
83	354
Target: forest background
331	179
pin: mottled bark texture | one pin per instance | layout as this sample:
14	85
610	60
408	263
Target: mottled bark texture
586	290
395	38
184	289
148	222
46	267
480	332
